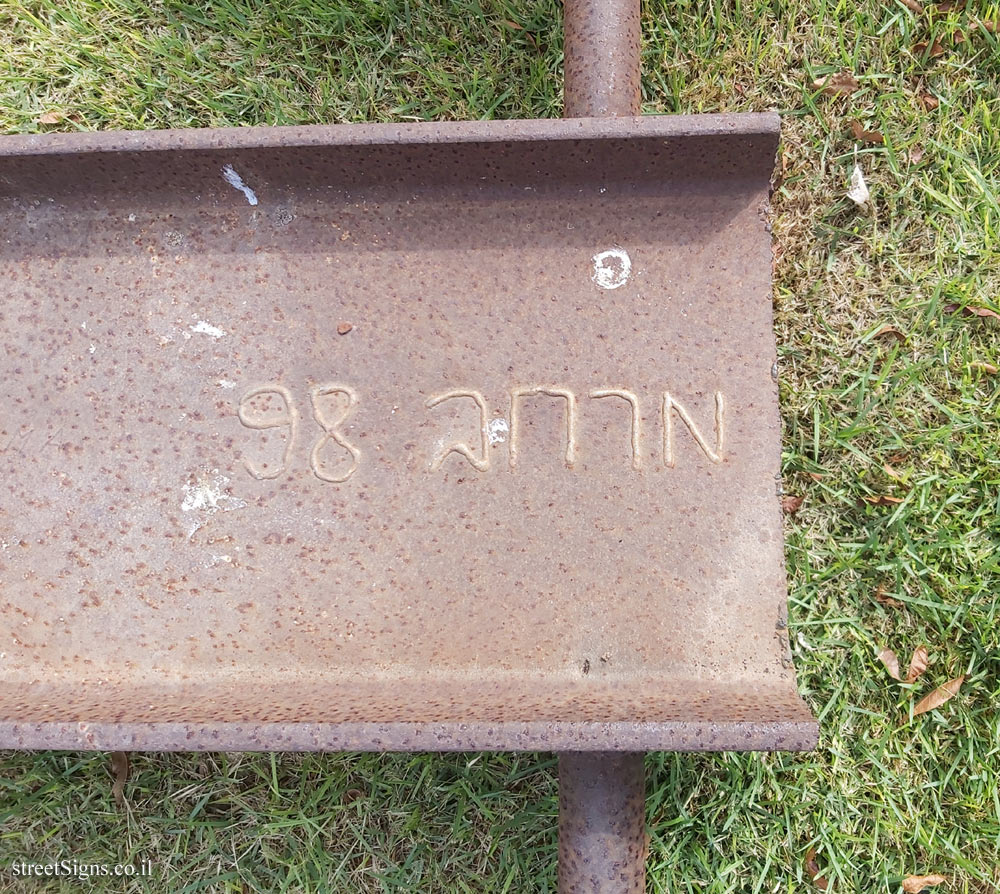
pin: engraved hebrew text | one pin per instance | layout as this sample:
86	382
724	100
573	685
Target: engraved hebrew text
633	402
670	405
553	391
481	464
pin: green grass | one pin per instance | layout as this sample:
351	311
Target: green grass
885	794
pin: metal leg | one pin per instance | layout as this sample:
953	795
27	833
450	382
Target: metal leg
602	828
602	795
601	52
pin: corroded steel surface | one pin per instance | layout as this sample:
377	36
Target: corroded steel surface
602	823
601	53
419	436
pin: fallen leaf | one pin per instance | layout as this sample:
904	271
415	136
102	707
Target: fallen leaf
841	82
883	500
930	51
929	102
866	136
891	472
119	769
352	794
816	476
985	367
949	5
812	868
992	27
971	311
918	663
890	330
939	696
51	118
344	328
912	5
915	155
891	662
791	504
858	193
881	598
513	25
916	883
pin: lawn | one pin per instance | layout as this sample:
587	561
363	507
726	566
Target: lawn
889	343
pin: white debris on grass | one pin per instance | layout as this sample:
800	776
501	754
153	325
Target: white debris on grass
858	193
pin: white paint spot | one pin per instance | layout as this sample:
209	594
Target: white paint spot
83	325
131	218
210	495
497	430
236	181
612	268
225	383
92	349
204	328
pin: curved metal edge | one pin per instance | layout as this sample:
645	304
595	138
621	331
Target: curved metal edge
534	736
665	126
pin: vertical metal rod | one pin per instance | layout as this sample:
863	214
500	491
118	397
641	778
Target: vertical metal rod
602	828
602	795
601	58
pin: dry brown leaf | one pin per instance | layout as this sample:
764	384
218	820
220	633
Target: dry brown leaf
891	662
932	51
912	5
119	769
890	330
513	25
915	155
982	312
791	504
971	311
916	883
918	663
866	136
891	472
949	5
352	794
816	476
51	118
812	868
841	82
883	500
881	598
939	696
992	27
929	102
985	367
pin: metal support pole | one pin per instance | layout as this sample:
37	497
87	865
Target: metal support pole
601	58
602	795
602	828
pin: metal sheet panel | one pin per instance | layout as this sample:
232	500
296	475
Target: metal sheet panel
424	436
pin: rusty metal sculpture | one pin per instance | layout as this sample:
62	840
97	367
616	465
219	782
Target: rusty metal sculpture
398	437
